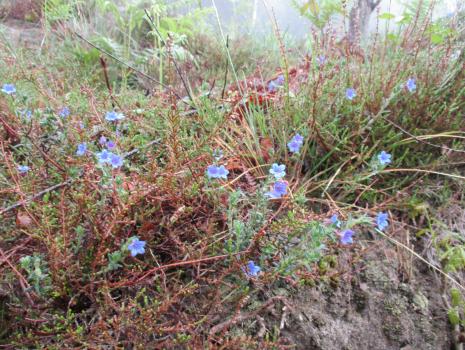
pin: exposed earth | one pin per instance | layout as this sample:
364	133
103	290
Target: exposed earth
377	309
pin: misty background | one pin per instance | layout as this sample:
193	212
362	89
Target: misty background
252	16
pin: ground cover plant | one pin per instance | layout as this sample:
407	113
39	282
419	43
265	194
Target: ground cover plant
165	186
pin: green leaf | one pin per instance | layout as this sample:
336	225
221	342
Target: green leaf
314	7
437	38
387	16
456	298
454	317
46	197
392	36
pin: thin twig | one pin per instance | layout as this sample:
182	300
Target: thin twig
226	70
152	271
36	196
130	67
245	316
107	82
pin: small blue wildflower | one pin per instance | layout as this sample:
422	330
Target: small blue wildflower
102	140
114	116
64	112
136	246
384	158
294	146
274	84
104	156
116	161
296	142
212	172
26	113
8	89
280	80
382	221
222	172
252	270
411	85
278	170
298	138
111	144
321	60
217	172
279	190
81	149
346	236
23	169
335	221
351	94
280	187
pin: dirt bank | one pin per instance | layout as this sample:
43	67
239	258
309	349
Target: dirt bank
376	308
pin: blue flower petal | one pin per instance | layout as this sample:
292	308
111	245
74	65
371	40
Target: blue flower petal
9	89
136	246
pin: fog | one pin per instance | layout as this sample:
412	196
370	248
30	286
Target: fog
252	16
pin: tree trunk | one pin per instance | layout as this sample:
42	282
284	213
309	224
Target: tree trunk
359	19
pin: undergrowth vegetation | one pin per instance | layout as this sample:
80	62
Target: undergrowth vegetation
172	197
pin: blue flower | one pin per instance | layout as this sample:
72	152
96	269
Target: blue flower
294	146
64	112
104	156
116	161
223	172
381	221
23	169
212	171
114	116
136	246
279	190
298	138
252	270
351	94
274	84
26	113
321	60
8	89
411	85
111	144
346	236
296	142
335	221
278	171
81	149
384	158
102	140
217	172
